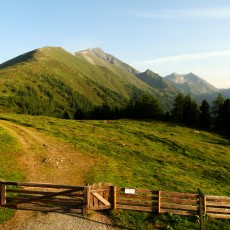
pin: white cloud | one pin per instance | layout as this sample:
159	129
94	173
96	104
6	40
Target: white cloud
220	13
185	57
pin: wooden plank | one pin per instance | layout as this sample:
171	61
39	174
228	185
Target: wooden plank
179	200
138	191
136	202
179	194
178	212
21	200
222	198
159	202
73	194
220	204
2	193
136	208
215	215
101	193
179	206
91	197
95	200
205	204
114	198
95	208
100	198
201	208
218	210
106	190
44	185
138	197
51	195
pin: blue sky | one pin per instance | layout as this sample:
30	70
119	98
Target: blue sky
162	35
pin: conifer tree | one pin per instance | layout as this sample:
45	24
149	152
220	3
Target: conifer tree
177	108
205	115
190	111
217	112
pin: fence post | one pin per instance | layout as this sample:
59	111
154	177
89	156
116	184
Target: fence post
86	200
2	193
159	202
201	209
114	194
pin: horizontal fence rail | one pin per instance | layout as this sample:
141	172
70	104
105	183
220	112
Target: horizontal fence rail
217	206
82	199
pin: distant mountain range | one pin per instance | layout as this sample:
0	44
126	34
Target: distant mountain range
50	80
190	83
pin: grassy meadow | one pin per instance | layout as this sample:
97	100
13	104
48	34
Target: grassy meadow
142	154
9	169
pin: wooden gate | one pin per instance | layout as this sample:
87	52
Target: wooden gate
99	196
42	197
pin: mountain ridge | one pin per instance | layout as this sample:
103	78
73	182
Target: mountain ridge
98	52
51	80
190	84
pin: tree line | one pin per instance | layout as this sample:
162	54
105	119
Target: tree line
185	110
214	116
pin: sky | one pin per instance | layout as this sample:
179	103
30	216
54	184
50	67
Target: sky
164	36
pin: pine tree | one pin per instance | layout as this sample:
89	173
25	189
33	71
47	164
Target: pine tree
176	112
205	115
226	117
190	111
217	112
146	106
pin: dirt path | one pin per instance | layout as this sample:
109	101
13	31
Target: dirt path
45	159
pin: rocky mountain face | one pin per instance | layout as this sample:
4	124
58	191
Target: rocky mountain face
190	84
98	53
156	81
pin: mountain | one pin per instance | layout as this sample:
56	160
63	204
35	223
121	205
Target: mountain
210	97
97	56
190	84
51	81
158	82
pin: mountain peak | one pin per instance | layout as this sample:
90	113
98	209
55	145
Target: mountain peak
92	55
97	51
190	83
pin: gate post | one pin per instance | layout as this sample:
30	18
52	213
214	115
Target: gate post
113	190
86	200
2	193
201	207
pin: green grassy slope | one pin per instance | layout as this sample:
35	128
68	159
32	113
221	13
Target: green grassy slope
9	169
141	154
147	154
56	79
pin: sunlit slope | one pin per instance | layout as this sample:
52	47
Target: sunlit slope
55	76
142	154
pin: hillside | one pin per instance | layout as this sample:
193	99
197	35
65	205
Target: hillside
51	81
190	84
97	56
158	82
153	155
121	144
210	97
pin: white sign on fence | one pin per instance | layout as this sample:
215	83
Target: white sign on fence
129	191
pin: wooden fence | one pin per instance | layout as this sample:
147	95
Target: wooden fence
82	199
42	197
